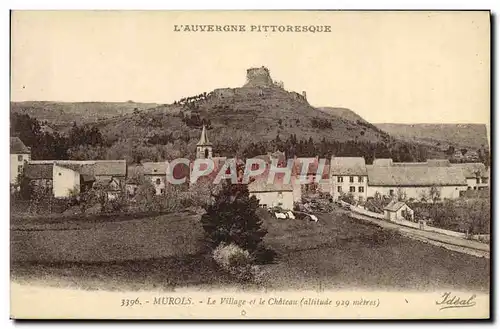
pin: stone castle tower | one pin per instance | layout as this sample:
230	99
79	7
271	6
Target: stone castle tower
204	147
259	77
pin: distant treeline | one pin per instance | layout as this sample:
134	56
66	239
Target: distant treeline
52	145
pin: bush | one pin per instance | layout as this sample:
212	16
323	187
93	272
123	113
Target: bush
348	197
231	218
235	260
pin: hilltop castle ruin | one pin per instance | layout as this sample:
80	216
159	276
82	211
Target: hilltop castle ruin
259	77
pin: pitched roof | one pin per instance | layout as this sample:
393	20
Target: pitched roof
472	169
394	205
438	162
382	162
312	169
270	156
415	176
155	168
87	178
203	138
260	185
86	169
348	166
39	171
110	168
17	146
409	164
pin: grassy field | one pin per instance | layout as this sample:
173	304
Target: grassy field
165	252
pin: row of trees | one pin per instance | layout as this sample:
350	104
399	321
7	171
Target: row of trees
398	151
471	216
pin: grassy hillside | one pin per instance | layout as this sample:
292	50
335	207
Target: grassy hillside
342	113
240	119
472	136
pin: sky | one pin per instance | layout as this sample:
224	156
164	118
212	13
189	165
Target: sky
398	67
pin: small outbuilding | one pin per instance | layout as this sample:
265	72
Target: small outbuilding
398	210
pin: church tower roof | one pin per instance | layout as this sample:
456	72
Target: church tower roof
203	138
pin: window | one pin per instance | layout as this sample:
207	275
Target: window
361	199
162	191
360	179
19	168
478	180
352	189
158	181
361	189
340	179
485	180
339	189
20	158
391	192
351	179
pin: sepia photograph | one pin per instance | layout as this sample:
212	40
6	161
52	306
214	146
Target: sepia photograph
250	164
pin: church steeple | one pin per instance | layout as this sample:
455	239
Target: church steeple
204	147
204	138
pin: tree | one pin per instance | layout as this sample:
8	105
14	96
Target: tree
475	217
232	218
450	151
26	188
464	151
434	194
145	196
424	196
401	194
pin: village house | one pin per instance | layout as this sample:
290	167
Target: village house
20	154
315	181
64	178
415	180
476	175
156	172
41	176
398	210
348	175
276	194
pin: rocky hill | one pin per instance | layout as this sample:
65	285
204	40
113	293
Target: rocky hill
473	136
257	113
